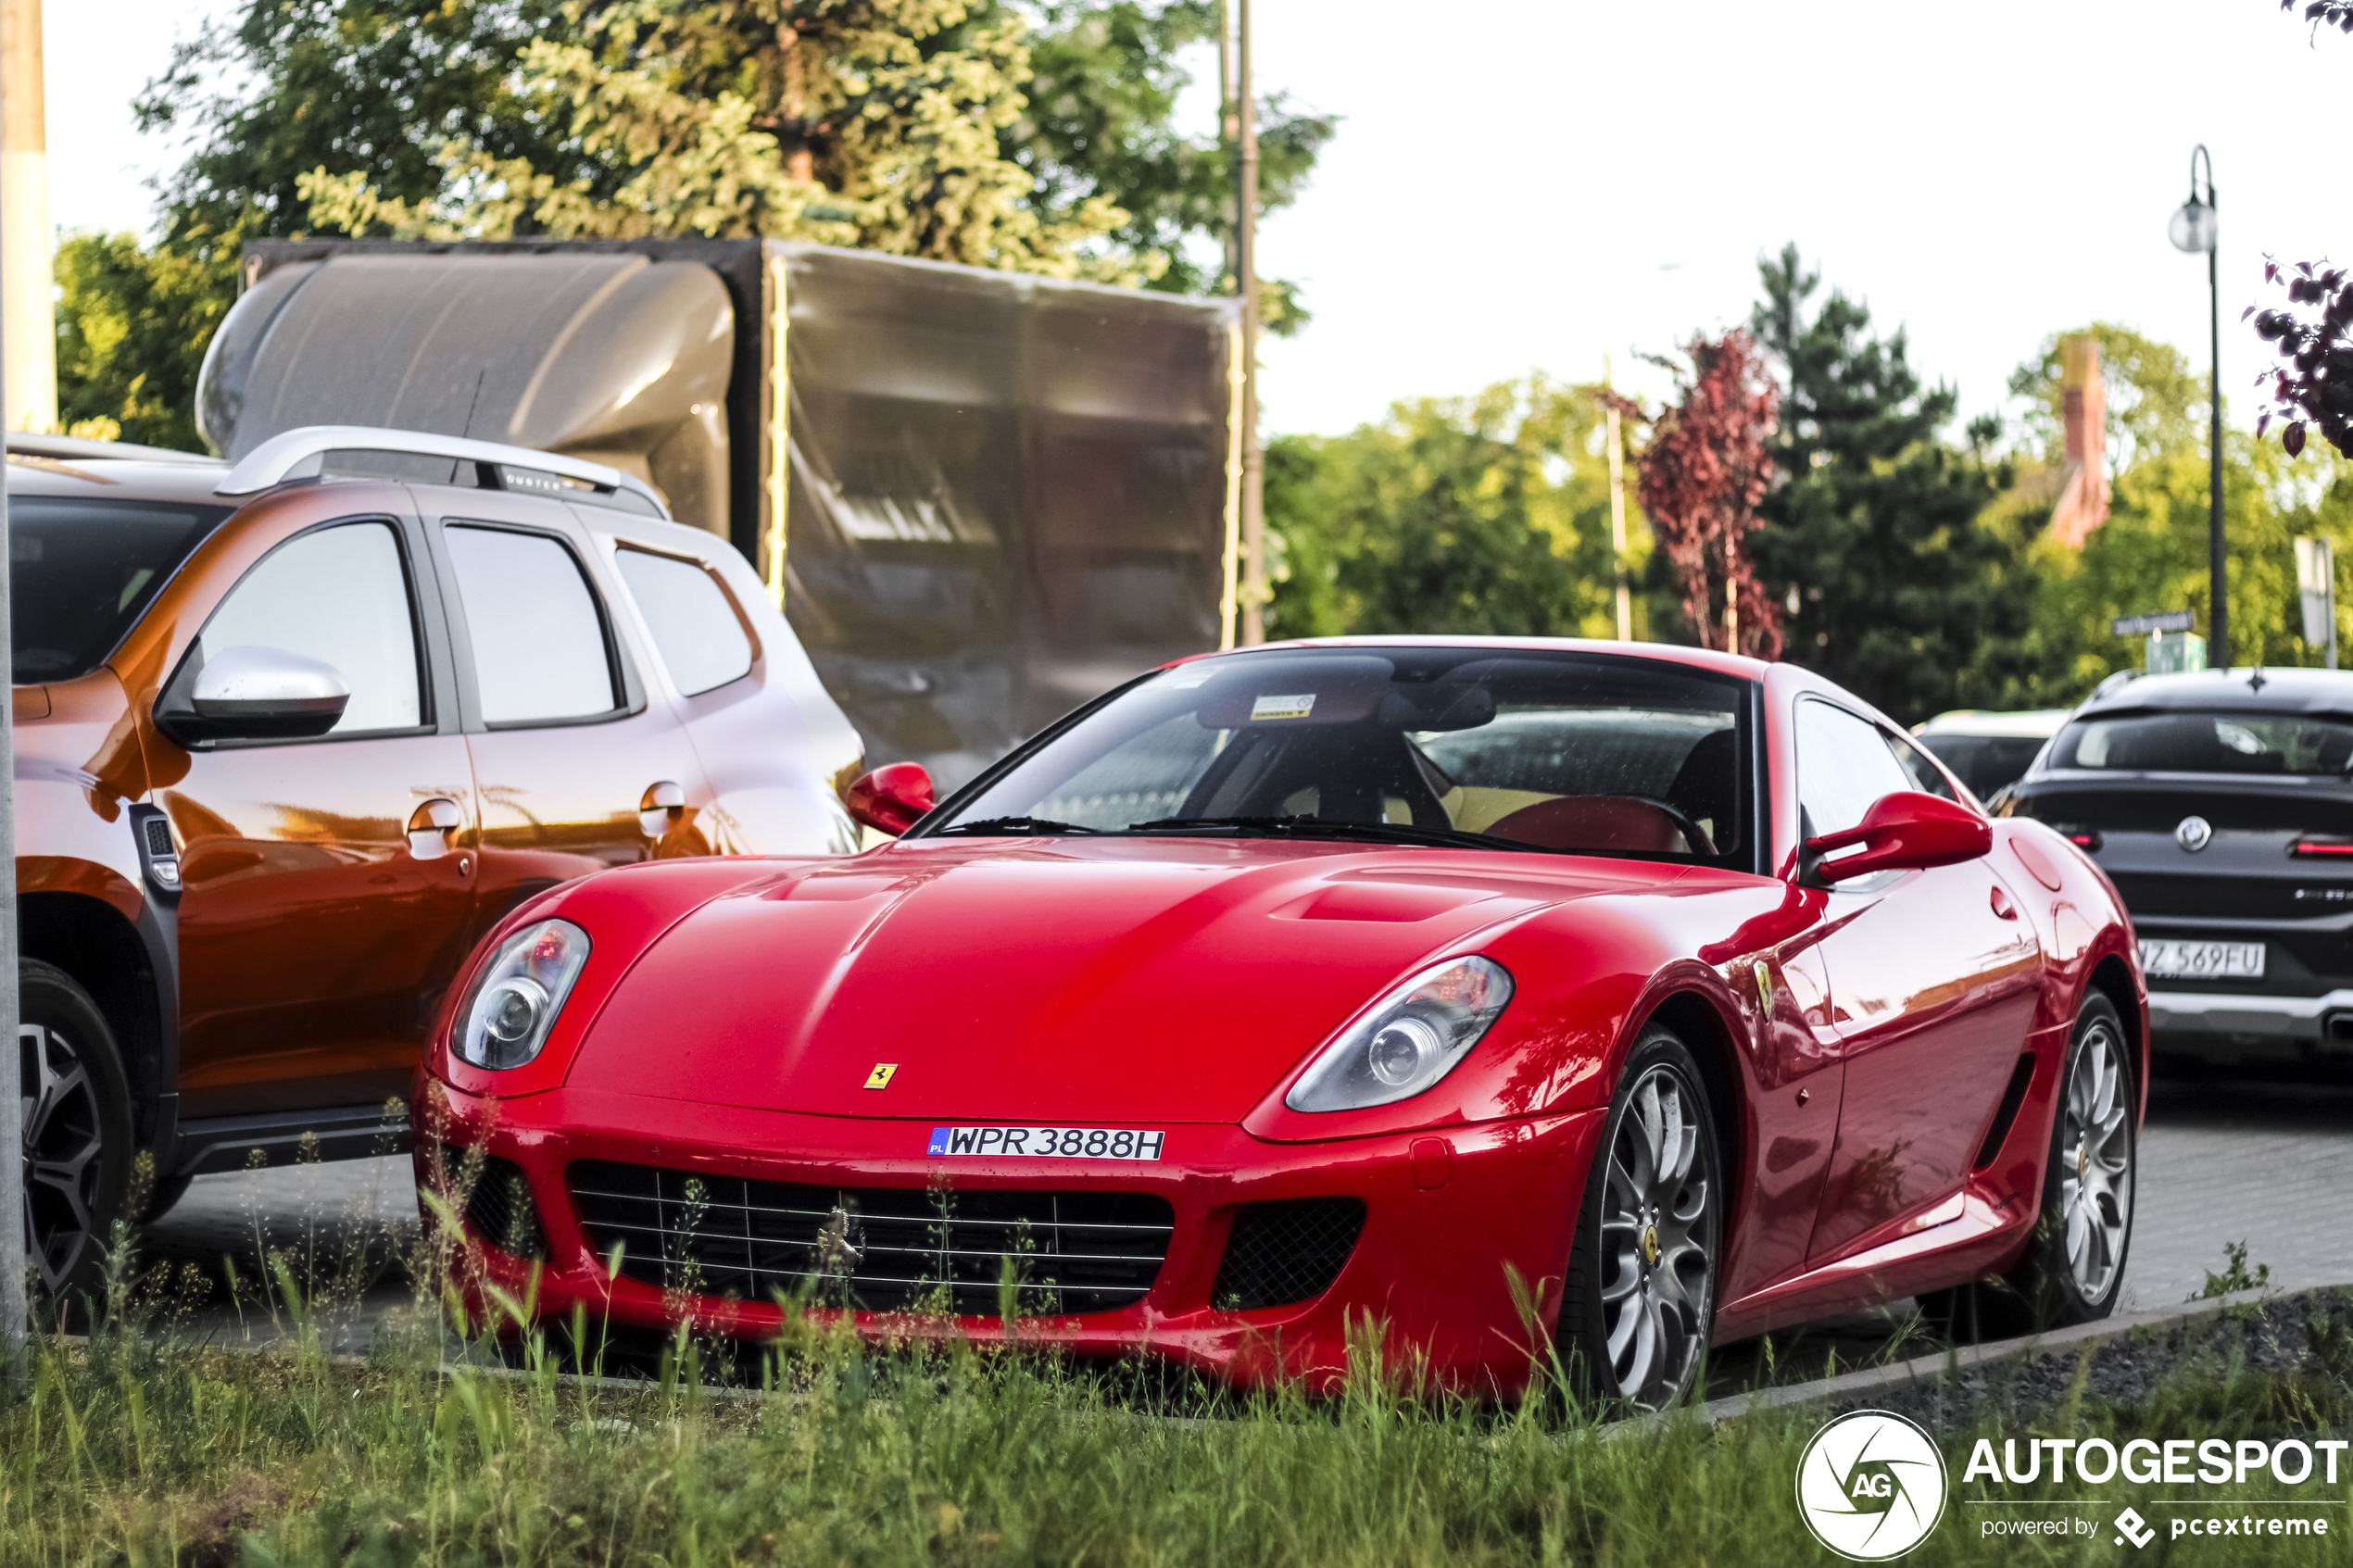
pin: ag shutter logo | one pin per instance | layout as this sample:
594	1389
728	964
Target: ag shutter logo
1871	1486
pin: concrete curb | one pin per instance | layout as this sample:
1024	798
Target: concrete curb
1950	1364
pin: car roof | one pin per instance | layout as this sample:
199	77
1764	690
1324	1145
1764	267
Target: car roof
2241	690
1671	653
2033	724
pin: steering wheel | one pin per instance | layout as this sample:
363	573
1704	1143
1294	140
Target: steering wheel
1693	835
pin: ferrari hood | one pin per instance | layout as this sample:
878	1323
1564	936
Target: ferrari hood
1126	983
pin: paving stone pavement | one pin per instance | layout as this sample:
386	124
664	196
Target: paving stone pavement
2268	1164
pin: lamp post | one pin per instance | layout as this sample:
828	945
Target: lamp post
2195	228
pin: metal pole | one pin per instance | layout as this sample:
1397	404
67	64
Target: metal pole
14	1316
2219	621
1617	514
1246	280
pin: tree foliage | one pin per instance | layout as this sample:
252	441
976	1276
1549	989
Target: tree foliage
1477	515
2157	404
1873	531
1705	471
2314	335
1027	134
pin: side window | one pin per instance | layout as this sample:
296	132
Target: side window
694	623
1844	767
1925	776
340	595
538	643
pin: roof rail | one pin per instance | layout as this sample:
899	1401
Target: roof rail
76	449
275	461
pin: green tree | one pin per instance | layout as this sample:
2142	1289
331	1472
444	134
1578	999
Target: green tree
1899	593
131	329
1477	515
414	112
2156	403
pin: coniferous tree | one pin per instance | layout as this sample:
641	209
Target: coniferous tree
1871	531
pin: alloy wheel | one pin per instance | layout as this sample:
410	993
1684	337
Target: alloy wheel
2096	1149
1657	1230
63	1155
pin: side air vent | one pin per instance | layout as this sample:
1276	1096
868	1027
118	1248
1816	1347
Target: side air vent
497	1202
1282	1253
2012	1098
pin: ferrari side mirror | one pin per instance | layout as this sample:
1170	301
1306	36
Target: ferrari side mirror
1907	831
891	799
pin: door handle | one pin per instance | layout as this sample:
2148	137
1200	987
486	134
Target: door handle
659	808
432	828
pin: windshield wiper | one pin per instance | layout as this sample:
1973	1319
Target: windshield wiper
1013	826
1320	827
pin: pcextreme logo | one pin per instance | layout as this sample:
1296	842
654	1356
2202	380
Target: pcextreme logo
1871	1486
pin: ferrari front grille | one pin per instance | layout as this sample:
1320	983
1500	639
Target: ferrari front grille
1283	1253
879	1249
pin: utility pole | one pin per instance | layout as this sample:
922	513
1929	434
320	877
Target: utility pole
1255	593
1617	513
13	1316
27	283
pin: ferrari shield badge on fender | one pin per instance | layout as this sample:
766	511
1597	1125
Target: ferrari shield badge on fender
880	1077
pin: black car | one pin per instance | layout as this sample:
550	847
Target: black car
2220	803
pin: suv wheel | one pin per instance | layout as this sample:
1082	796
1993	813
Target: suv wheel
77	1135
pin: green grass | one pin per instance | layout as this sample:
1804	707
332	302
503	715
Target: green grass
143	1448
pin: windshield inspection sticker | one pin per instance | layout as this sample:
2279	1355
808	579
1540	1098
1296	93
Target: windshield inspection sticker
1049	1143
1283	707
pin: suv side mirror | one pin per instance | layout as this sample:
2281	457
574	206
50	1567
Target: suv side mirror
250	693
891	799
1907	831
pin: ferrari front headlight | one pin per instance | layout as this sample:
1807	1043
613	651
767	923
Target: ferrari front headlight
1408	1040
515	1001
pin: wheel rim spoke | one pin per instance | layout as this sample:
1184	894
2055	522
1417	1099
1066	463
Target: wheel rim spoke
1657	1224
2096	1180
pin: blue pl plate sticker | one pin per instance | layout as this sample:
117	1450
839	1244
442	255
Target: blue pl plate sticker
1049	1143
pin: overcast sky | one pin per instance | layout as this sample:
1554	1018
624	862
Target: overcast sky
1520	184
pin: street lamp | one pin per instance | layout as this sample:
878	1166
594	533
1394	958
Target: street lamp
2194	229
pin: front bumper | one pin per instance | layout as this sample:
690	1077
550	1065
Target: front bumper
1442	1230
2238	1027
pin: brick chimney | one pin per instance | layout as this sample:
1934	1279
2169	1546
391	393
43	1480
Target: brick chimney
2082	502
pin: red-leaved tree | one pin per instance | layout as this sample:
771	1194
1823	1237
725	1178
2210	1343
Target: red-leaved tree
2315	336
1705	471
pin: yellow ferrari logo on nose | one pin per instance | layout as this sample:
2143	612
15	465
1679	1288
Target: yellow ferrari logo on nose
880	1077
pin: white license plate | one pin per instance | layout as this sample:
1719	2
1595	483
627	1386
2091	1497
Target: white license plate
2165	959
1049	1143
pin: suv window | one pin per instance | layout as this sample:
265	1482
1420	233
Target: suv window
539	643
693	622
82	573
340	595
2208	743
1844	765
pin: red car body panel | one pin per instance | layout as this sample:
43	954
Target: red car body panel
731	1012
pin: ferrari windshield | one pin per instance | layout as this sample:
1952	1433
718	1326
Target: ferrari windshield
2208	743
1511	748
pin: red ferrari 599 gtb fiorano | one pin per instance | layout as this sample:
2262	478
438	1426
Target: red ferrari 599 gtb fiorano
1326	983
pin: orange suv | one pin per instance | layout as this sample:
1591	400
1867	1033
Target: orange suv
292	733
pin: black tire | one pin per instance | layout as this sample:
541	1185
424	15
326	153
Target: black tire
77	1150
2081	1178
1639	1297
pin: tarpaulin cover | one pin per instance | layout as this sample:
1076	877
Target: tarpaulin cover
1006	494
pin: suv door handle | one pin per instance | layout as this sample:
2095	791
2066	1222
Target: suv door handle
659	808
432	828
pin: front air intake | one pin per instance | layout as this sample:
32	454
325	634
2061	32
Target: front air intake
1282	1253
496	1198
